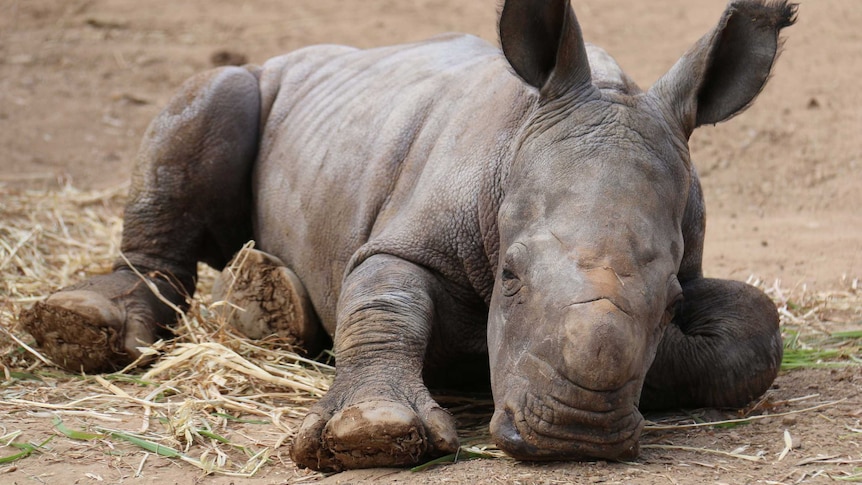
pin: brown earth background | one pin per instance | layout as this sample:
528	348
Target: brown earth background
80	80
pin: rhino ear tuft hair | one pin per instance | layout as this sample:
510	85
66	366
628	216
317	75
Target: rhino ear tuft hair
726	69
543	43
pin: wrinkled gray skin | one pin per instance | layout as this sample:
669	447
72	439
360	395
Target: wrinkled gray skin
445	202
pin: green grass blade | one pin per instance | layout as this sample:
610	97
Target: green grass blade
26	450
24	376
211	435
128	378
732	424
856	477
241	420
74	434
150	446
849	335
17	456
799	358
462	454
165	451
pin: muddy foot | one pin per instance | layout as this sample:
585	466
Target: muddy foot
266	298
373	433
98	325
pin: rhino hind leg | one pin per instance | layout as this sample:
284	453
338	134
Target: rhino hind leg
97	325
263	298
378	411
189	201
723	349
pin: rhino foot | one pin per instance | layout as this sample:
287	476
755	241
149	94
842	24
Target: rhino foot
373	433
722	350
98	325
266	298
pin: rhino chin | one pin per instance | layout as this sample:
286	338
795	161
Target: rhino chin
583	443
567	422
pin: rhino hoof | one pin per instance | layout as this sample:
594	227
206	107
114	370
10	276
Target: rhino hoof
266	298
373	434
89	328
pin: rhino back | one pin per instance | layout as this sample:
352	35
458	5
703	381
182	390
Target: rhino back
394	150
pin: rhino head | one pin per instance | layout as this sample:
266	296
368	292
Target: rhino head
592	222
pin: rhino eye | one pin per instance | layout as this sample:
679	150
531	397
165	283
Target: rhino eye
509	283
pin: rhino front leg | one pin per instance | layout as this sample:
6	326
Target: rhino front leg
723	348
189	201
378	411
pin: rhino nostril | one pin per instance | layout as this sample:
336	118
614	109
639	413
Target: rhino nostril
507	430
508	437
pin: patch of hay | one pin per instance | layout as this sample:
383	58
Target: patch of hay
208	380
820	329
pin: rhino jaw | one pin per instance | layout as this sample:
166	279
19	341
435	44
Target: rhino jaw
567	423
509	439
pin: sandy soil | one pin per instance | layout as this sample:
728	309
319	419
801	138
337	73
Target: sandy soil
80	80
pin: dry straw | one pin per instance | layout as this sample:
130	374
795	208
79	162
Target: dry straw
213	398
222	402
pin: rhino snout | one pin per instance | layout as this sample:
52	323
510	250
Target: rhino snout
553	418
524	436
603	346
574	396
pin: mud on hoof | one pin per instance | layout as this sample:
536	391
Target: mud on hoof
266	298
98	325
371	434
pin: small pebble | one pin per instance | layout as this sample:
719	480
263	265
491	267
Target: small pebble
226	57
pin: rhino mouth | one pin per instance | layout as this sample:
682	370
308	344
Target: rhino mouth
566	421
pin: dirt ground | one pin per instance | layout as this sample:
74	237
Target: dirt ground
80	80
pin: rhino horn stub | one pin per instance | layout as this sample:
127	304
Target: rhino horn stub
543	43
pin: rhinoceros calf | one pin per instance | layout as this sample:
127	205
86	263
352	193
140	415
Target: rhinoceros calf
444	202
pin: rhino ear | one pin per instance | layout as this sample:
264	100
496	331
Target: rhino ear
723	73
542	41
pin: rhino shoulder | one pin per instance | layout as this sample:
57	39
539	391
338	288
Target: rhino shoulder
293	67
